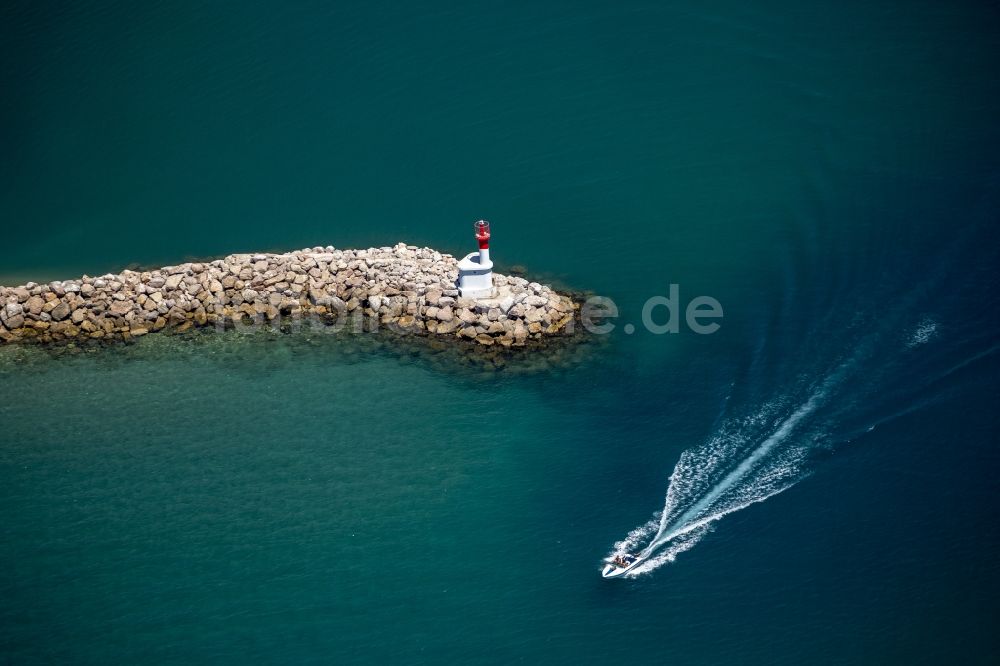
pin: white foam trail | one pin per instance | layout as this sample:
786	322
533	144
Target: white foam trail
923	333
670	529
670	553
753	458
694	500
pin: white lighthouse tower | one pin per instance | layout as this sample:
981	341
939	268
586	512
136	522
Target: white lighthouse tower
475	271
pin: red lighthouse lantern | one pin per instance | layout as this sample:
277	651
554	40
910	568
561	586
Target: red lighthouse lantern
483	234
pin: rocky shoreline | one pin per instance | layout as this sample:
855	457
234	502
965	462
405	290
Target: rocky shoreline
403	288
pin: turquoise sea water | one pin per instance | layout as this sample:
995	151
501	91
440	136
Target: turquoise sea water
828	172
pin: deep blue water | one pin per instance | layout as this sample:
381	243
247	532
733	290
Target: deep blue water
828	172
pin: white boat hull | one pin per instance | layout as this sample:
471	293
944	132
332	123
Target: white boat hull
614	571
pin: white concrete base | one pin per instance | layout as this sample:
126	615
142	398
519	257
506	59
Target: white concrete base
475	279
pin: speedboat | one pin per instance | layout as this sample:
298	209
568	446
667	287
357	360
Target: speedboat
619	564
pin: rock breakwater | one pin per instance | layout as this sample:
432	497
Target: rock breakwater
404	288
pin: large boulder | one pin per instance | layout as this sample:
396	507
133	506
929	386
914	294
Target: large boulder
336	304
319	297
561	304
536	301
14	321
9	312
13	308
120	308
35	305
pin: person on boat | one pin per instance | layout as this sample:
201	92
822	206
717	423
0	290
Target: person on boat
624	561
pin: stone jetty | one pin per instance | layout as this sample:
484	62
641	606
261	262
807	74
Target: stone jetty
404	288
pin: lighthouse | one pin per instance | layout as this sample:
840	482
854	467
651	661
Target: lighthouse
475	271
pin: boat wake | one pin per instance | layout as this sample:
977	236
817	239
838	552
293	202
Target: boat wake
712	481
752	458
900	359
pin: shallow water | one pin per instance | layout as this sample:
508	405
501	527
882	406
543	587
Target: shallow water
827	173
